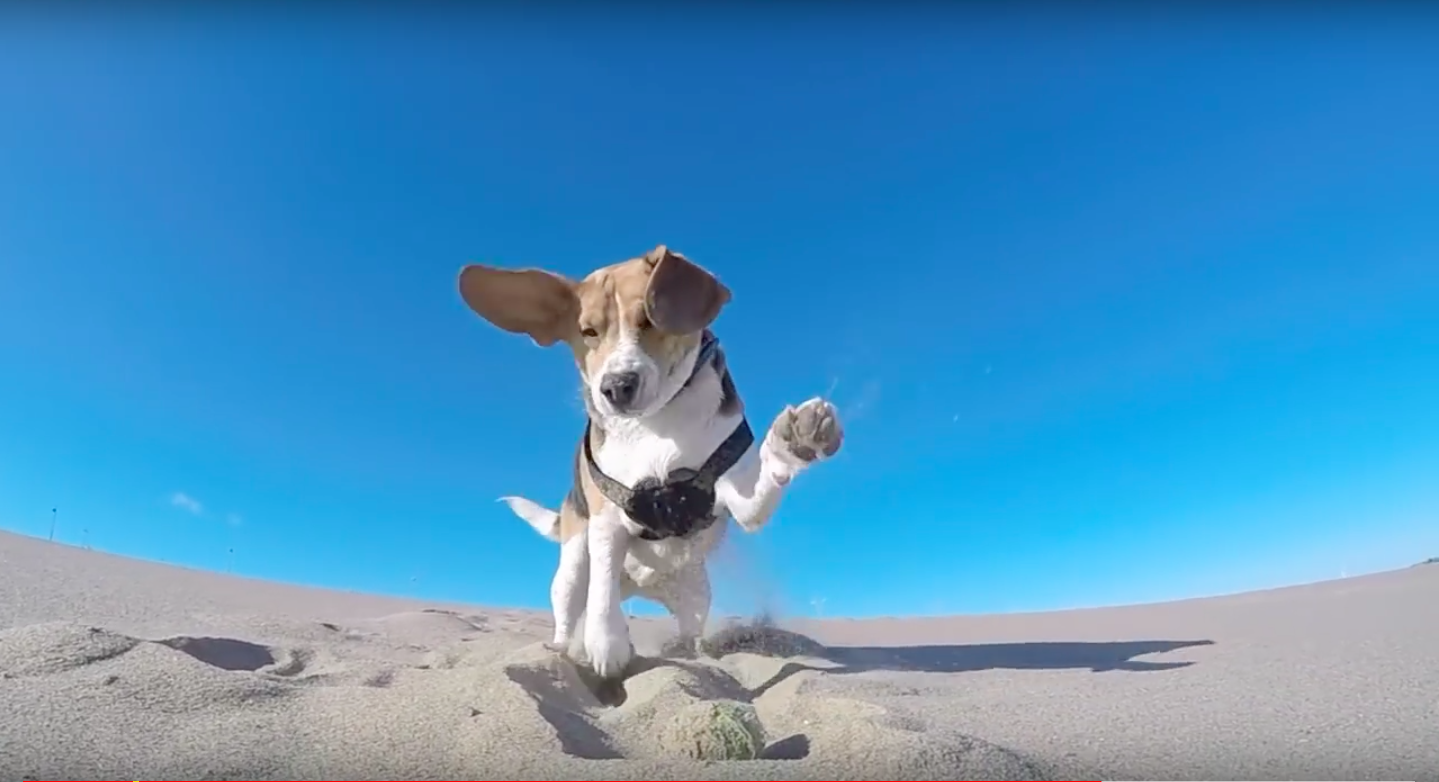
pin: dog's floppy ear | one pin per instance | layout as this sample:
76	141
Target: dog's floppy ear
681	298
525	301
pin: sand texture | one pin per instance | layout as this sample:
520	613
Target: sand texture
112	668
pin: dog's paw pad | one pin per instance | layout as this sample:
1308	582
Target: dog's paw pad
809	432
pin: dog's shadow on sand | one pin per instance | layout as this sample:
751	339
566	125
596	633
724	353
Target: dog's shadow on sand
1097	656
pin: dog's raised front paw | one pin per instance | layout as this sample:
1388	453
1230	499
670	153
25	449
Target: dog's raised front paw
608	647
807	433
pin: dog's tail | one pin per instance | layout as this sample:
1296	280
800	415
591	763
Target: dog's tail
545	521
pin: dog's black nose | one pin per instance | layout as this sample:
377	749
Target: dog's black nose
620	388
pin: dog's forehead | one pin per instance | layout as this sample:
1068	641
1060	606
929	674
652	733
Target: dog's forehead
625	281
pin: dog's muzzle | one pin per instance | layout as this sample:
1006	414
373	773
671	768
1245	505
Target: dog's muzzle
620	389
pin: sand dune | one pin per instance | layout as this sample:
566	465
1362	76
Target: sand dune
121	669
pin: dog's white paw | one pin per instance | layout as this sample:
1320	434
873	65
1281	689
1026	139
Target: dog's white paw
607	644
803	435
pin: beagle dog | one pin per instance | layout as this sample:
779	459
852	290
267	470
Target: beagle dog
667	456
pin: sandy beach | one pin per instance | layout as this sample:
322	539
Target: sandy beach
114	668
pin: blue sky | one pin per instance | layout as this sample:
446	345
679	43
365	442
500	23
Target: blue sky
1116	309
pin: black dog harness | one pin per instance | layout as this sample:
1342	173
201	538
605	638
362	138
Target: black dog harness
684	502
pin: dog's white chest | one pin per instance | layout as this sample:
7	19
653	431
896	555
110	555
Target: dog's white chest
630	454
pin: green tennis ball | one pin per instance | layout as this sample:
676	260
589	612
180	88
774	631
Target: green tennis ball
717	730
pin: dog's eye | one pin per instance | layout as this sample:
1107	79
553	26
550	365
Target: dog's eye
589	333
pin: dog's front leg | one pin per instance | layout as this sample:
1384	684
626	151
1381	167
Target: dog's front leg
607	634
569	587
799	437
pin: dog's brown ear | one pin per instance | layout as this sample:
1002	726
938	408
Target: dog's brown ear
681	298
525	301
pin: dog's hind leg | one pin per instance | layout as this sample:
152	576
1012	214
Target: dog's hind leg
687	596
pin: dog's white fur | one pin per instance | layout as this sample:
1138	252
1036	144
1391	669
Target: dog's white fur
606	563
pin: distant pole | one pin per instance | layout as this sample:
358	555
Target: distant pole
85	537
230	561
53	513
